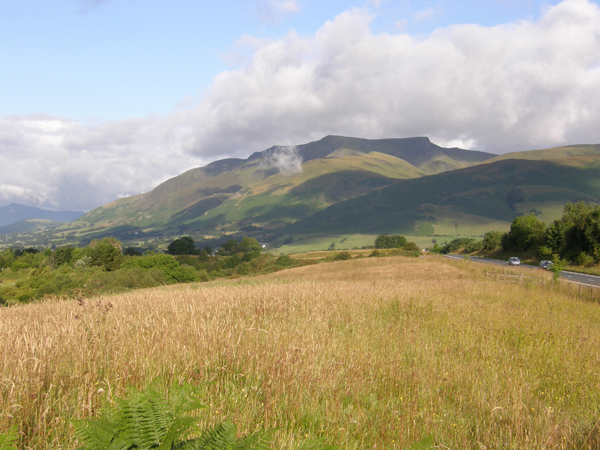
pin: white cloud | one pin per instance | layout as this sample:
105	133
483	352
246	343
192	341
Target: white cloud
517	86
54	162
285	159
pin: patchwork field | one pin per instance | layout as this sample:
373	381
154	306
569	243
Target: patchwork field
366	353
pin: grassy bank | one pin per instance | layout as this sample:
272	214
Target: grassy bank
369	353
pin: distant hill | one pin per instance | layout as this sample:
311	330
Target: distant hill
15	212
550	154
29	225
268	189
465	201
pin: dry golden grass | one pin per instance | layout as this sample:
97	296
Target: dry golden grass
375	353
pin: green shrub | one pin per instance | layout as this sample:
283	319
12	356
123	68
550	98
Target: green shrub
375	253
106	253
62	256
456	244
173	272
19	265
203	275
342	256
584	260
474	246
411	246
492	240
390	242
193	261
243	269
544	252
284	261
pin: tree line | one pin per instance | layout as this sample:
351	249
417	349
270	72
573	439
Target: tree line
575	237
104	267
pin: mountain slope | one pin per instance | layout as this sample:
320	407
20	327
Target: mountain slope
286	197
550	153
491	193
29	225
184	200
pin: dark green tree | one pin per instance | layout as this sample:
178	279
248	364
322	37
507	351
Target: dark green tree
492	240
131	251
526	232
182	246
555	236
228	248
250	247
582	231
390	241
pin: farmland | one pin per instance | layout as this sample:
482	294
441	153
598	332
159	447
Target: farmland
366	353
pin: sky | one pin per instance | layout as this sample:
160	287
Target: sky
102	99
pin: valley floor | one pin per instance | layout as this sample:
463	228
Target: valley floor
366	353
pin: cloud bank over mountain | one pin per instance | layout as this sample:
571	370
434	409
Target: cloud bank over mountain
517	86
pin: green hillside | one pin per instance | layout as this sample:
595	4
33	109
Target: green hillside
550	153
478	198
285	198
29	225
235	192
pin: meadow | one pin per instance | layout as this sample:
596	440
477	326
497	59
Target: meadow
313	243
366	353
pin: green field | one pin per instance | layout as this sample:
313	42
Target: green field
303	244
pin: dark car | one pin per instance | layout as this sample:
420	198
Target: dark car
514	261
545	265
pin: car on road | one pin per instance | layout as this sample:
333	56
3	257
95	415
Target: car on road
545	265
514	261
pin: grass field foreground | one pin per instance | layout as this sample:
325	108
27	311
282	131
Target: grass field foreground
368	353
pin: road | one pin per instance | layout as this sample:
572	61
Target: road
591	280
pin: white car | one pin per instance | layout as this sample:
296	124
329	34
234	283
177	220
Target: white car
514	261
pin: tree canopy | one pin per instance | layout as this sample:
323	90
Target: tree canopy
390	241
182	246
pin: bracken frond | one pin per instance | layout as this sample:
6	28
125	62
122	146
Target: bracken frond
8	441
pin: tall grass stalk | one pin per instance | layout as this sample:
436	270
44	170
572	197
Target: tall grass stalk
375	353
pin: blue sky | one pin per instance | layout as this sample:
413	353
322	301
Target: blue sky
115	59
101	99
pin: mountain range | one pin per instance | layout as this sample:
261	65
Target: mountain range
351	185
15	218
277	187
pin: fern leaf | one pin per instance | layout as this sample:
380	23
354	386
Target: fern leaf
142	420
425	443
221	437
257	441
156	420
94	434
186	399
8	441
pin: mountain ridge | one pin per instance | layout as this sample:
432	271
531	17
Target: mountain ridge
16	212
201	190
